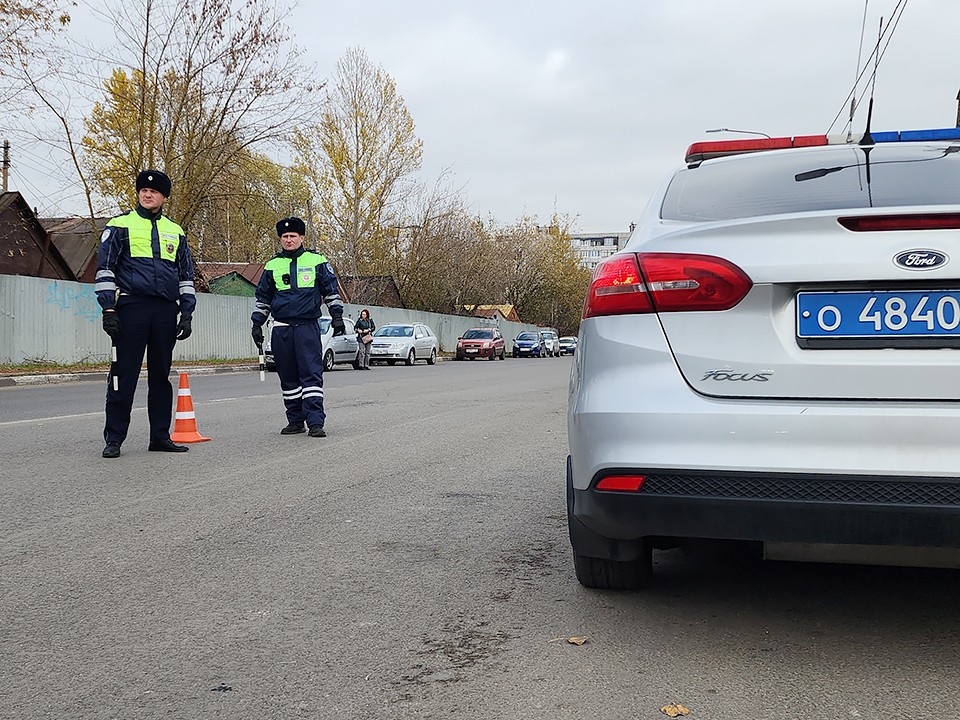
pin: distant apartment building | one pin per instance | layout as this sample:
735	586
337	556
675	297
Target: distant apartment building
591	248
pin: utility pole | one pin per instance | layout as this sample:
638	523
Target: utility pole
958	112
6	159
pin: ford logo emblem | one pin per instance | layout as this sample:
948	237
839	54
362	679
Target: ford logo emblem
920	259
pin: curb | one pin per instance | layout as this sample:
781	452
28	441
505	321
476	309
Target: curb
54	378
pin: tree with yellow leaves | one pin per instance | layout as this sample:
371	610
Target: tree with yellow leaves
356	158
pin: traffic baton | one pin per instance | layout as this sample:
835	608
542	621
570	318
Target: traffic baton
263	363
113	369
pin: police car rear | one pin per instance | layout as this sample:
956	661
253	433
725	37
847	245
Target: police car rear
774	357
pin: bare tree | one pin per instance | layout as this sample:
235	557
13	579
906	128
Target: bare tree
204	86
21	24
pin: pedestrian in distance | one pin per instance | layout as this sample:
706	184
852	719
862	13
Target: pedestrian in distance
144	281
293	288
364	327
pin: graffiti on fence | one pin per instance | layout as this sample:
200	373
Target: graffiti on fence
78	300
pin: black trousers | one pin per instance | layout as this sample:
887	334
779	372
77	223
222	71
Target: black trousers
146	324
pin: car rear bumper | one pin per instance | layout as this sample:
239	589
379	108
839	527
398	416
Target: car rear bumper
478	353
772	507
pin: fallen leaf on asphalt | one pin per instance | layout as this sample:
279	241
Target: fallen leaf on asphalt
674	710
577	640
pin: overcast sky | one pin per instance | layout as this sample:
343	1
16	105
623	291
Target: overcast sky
584	107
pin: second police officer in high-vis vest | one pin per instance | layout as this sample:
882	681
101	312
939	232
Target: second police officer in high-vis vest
294	285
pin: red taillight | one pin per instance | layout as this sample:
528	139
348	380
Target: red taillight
678	282
617	289
878	223
664	282
622	483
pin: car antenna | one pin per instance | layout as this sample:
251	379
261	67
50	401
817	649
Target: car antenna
877	54
867	139
853	93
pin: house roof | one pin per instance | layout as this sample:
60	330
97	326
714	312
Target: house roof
78	241
250	272
380	290
509	312
25	246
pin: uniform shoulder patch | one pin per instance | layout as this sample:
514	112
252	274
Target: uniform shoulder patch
105	235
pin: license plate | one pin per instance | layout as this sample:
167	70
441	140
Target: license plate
932	316
471	350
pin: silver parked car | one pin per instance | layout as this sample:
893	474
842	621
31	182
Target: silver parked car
407	342
773	357
336	350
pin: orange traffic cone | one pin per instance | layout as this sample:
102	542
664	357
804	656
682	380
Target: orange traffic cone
185	427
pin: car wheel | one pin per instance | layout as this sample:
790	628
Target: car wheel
432	360
503	355
356	361
328	361
493	355
601	573
412	357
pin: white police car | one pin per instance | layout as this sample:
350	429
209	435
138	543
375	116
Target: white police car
774	357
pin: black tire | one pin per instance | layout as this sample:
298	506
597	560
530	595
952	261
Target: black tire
432	360
516	354
328	361
412	357
503	354
493	355
601	573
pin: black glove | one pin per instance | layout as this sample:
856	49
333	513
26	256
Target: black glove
111	324
183	329
257	333
338	326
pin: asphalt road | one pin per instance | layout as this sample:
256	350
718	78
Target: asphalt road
413	564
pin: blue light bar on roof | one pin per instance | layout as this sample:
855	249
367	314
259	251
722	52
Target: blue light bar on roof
917	135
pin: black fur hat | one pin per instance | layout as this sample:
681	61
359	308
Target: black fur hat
291	224
155	180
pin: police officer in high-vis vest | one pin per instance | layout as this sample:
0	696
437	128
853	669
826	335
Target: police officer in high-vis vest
293	287
144	281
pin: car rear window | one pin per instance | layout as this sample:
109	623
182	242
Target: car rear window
816	179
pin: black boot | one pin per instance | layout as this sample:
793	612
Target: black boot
293	428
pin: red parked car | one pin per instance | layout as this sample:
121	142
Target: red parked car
481	342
